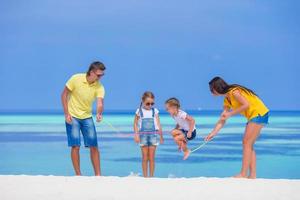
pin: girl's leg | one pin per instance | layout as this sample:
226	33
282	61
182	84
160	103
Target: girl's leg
251	133
152	159
145	158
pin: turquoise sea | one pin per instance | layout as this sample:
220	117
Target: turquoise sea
35	144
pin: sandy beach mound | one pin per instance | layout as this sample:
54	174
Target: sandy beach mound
130	188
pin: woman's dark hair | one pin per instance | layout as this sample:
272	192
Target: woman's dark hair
220	86
146	95
96	65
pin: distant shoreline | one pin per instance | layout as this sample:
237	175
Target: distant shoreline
130	111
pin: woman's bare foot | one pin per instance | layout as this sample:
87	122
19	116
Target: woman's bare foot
240	176
252	177
186	154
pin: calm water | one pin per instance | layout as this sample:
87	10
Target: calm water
36	144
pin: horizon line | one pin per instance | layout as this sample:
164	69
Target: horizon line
119	111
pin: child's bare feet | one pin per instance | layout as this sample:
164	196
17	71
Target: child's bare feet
240	176
186	154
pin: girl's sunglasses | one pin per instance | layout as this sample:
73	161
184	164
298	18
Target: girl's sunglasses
149	104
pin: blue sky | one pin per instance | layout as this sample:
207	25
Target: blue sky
172	48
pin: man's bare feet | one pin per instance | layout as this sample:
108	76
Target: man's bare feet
240	176
186	154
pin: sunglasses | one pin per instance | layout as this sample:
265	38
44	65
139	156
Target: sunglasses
149	104
99	75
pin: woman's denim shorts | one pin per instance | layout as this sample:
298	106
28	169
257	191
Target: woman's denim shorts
263	120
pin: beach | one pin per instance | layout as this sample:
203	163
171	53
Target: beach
130	188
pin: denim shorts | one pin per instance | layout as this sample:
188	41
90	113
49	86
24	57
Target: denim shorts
149	139
88	130
194	133
263	120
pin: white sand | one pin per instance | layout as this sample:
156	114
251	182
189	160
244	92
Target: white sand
131	188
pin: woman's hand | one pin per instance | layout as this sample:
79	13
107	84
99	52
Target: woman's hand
137	138
209	137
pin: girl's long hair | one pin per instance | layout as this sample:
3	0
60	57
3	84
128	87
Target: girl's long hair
221	87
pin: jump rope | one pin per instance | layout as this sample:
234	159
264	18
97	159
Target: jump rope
119	132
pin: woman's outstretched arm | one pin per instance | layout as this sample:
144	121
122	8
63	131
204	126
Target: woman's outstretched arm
219	125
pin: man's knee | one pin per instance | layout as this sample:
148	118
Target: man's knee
94	149
75	148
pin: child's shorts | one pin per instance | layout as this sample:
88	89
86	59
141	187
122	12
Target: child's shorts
149	139
185	134
263	120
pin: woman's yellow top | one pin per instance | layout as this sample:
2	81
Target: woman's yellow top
256	106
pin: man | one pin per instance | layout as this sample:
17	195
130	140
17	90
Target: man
78	96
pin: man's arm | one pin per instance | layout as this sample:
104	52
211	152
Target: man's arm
64	101
99	109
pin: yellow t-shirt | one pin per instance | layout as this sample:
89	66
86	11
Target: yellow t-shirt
256	107
82	95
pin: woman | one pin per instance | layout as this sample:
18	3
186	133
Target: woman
241	100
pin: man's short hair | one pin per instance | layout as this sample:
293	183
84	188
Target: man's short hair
96	66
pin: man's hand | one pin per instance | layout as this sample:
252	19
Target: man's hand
68	118
99	117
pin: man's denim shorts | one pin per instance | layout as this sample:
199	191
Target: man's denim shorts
88	130
149	139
